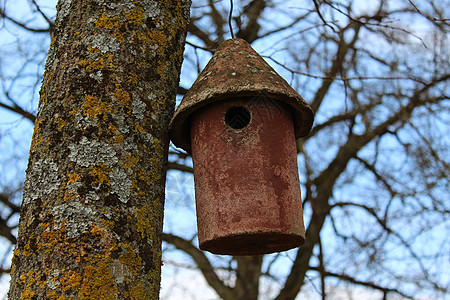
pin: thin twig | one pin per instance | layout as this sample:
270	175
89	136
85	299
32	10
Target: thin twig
36	30
345	78
426	16
316	4
50	23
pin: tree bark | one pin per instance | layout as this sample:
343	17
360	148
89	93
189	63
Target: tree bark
247	276
92	212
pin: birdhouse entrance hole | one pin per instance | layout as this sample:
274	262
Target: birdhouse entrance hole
237	117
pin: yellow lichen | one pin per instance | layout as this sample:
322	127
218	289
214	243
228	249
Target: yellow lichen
70	195
135	16
133	79
146	221
112	129
115	133
52	295
61	123
131	161
93	49
22	278
27	294
139	291
97	230
31	279
27	252
139	128
119	139
107	22
92	65
123	97
156	170
74	177
158	146
162	70
131	259
70	280
156	37
100	172
93	106
37	134
98	283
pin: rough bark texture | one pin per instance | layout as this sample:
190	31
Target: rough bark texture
92	210
247	277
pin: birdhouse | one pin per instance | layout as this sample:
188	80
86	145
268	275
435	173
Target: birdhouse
240	121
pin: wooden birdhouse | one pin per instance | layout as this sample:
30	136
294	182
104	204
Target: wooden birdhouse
240	121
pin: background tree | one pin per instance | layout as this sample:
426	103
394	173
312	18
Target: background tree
374	170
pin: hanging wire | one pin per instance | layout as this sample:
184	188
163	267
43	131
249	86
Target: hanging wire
230	18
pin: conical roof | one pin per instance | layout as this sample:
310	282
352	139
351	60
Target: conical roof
236	70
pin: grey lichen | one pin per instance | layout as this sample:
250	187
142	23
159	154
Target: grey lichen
151	8
88	153
97	76
76	218
43	178
92	196
187	8
139	108
104	43
121	124
64	9
52	281
120	184
85	121
119	271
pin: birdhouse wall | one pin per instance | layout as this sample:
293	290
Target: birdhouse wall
246	178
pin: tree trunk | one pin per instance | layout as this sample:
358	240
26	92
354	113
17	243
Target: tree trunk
92	211
247	276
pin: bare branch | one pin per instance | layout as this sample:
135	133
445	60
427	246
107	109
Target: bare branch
383	224
425	15
203	264
379	177
5	199
17	109
24	26
50	23
195	30
349	78
317	5
324	184
289	26
253	12
247	276
181	90
352	280
211	50
180	167
218	21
